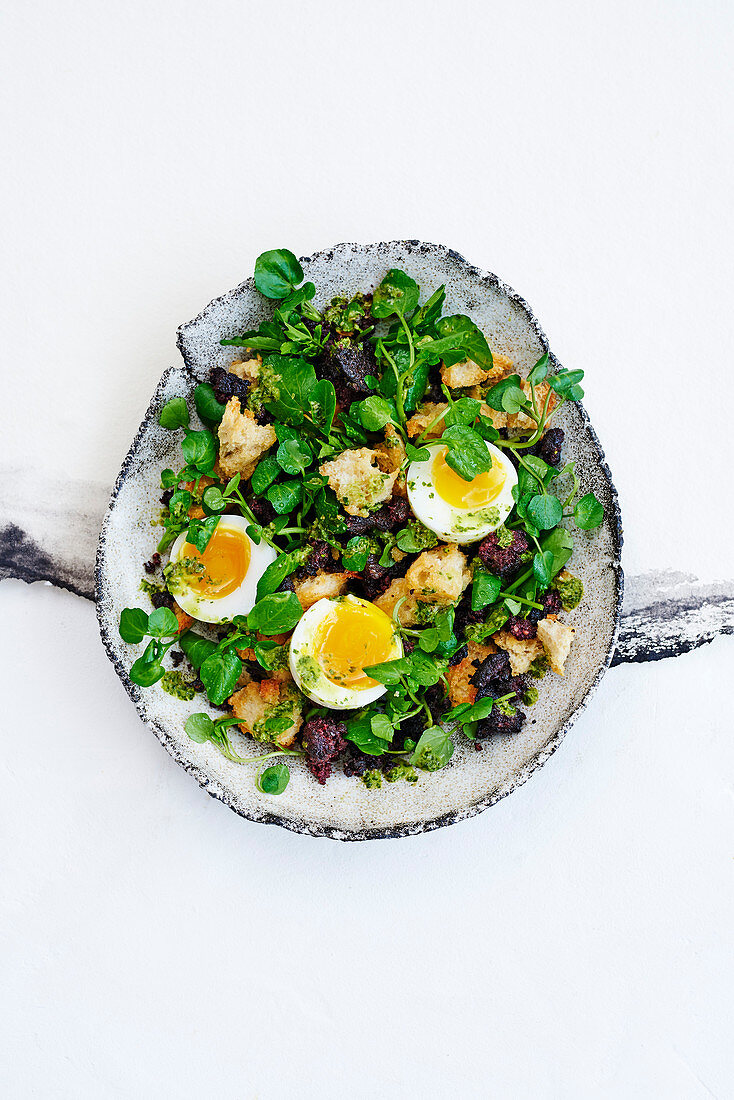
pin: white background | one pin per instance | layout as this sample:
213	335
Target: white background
574	941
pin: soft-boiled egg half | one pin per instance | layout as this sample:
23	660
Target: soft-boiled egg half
222	582
335	640
455	509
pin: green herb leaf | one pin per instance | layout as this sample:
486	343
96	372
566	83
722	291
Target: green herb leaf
374	412
277	273
284	496
389	672
415	537
200	531
213	499
277	613
145	673
199	727
543	567
434	749
162	623
545	511
356	553
219	674
565	383
210	410
322	400
463	411
133	625
294	456
199	450
417	454
278	570
467	452
274	780
174	414
359	732
265	474
560	545
196	648
496	394
485	589
588	512
539	371
382	727
396	294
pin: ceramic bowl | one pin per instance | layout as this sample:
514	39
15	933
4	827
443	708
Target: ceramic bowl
344	808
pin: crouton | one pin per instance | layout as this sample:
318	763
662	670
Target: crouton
242	441
461	690
323	585
425	415
521	651
360	485
184	620
556	639
262	708
391	453
520	422
461	375
398	589
248	369
440	575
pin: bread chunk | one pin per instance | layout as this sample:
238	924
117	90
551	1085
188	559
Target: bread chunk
242	441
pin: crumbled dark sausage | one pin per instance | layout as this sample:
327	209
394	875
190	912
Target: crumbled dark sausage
323	740
356	762
176	657
153	564
166	497
464	614
522	629
495	667
503	560
262	510
549	447
393	514
161	599
226	384
458	657
551	602
320	560
499	723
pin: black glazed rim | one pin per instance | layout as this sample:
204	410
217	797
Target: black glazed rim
393	831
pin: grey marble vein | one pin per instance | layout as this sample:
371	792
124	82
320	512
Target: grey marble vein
50	535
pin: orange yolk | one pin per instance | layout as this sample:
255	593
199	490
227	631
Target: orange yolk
350	637
225	560
477	493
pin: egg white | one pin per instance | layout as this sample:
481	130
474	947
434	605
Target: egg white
462	525
307	672
239	602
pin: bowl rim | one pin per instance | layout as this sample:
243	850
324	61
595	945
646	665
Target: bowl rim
215	789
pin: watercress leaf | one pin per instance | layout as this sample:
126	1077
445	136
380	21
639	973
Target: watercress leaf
427	316
467	455
199	727
539	371
200	450
359	732
588	512
545	511
276	613
417	454
274	780
485	589
433	750
416	537
513	399
415	384
294	456
486	428
169	479
356	553
196	648
444	624
219	673
133	625
174	414
284	496
496	393
329	512
565	381
428	640
560	545
277	273
396	294
513	606
463	411
374	412
265	474
200	532
145	672
389	672
540	468
277	571
382	727
213	499
469	339
322	400
425	670
543	567
297	378
209	409
477	711
162	623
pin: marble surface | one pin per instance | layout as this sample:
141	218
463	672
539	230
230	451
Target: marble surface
575	940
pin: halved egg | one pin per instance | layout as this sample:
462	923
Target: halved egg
455	509
222	582
335	640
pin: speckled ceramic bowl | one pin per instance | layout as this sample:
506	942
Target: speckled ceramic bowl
345	809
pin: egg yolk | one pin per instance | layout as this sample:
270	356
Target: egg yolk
477	493
225	562
352	636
